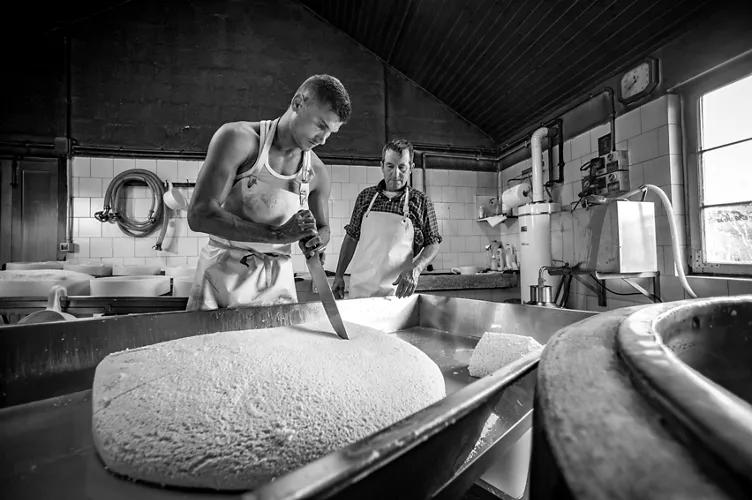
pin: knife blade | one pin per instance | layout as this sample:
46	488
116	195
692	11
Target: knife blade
326	295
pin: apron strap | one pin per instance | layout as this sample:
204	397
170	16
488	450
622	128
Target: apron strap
267	129
368	211
305	180
406	207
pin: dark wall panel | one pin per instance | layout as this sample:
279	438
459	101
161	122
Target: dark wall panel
32	101
168	74
417	116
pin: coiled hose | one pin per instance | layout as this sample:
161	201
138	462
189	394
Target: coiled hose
114	209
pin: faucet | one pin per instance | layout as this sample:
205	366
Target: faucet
541	281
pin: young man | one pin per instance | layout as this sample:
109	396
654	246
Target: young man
261	188
392	235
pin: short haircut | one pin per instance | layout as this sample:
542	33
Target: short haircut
329	90
398	146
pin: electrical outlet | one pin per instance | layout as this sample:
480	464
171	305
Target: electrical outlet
65	247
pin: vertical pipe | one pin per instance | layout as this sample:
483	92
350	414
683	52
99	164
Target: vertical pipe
69	140
535	147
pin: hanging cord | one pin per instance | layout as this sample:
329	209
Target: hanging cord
157	213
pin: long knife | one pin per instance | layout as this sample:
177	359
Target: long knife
326	295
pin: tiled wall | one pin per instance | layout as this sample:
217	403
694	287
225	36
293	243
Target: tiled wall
453	194
652	135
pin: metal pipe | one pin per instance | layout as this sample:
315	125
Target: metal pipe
535	146
607	90
560	134
612	117
69	141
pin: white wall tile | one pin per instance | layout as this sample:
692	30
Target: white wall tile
657	171
120	165
374	175
349	191
448	227
487	179
740	286
358	174
465	194
636	175
449	193
89	188
644	147
81	247
442	210
455	178
188	170
111	230
465	259
457	244
470	178
102	167
628	125
100	247
143	247
434	193
663	146
467	228
437	177
167	170
82	207
123	247
340	173
708	287
457	211
81	166
175	261
89	227
654	114
341	209
147	164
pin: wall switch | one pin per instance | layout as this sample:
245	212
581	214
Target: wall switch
65	247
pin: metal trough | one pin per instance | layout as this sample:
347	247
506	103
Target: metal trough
47	372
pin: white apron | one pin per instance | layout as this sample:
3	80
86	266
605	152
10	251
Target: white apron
384	250
237	274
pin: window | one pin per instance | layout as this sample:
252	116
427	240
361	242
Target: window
718	132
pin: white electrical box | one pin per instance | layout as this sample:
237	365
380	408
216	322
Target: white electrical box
623	239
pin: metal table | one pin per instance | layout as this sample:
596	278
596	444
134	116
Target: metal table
47	372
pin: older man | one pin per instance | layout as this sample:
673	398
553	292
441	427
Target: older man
392	235
260	190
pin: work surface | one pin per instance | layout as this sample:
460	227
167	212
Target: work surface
47	445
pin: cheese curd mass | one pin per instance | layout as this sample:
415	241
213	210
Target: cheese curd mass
233	410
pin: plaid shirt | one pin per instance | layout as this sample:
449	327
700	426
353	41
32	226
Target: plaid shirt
421	209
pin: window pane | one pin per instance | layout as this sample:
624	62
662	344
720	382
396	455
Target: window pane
728	234
726	114
727	174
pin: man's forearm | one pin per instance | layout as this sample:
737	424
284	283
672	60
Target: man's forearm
226	225
425	257
325	234
349	244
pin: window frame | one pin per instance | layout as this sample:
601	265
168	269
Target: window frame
691	95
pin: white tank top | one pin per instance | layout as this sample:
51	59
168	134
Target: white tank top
269	197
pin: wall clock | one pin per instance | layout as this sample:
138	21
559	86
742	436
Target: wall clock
639	81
